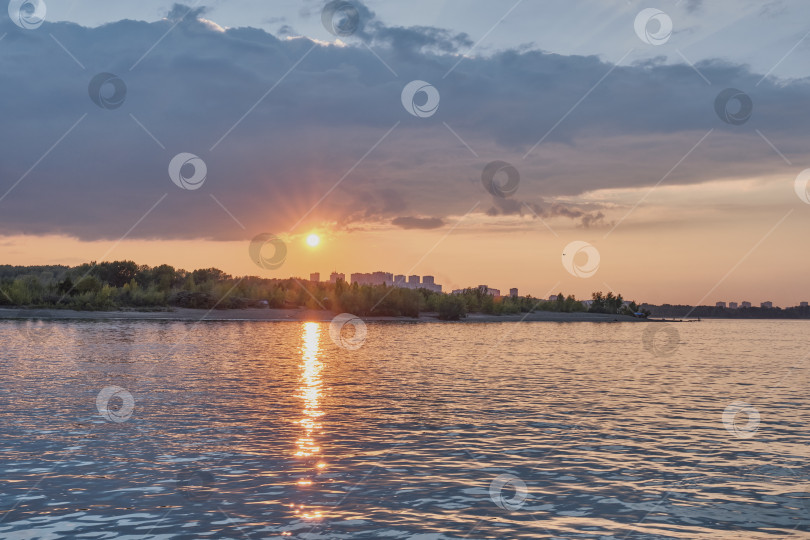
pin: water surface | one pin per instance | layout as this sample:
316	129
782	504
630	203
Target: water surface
429	431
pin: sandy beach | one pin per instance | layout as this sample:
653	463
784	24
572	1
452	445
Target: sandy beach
183	314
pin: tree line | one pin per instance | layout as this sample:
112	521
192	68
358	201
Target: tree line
125	284
679	311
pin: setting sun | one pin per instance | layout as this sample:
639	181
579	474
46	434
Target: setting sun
313	240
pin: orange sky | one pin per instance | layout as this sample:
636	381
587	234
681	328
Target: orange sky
680	246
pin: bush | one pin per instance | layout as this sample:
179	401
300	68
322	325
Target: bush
194	300
452	308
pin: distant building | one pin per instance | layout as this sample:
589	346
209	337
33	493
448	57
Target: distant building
391	280
552	298
457	291
513	292
732	305
334	277
315	277
429	283
720	304
767	305
486	290
374	278
803	304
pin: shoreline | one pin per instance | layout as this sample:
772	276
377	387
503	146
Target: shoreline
295	315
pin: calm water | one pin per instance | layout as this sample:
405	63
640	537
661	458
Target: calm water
428	431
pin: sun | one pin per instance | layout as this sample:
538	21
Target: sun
313	240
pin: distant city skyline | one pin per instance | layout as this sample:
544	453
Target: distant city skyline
379	277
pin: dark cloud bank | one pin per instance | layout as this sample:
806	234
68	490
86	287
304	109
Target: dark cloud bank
192	87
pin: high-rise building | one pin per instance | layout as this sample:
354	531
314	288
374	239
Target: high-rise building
720	304
334	277
398	280
374	278
315	277
513	292
429	283
745	304
803	304
766	305
732	305
486	290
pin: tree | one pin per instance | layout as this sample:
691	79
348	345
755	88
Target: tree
560	302
598	303
212	275
88	284
116	273
452	308
66	286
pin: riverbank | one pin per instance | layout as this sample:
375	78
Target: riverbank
184	314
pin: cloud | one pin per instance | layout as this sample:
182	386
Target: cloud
583	218
408	222
293	129
693	5
418	39
180	12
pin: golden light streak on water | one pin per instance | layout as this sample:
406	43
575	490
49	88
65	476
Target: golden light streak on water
309	391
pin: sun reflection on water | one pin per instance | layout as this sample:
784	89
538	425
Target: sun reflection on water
310	392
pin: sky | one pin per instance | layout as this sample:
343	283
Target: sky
549	146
